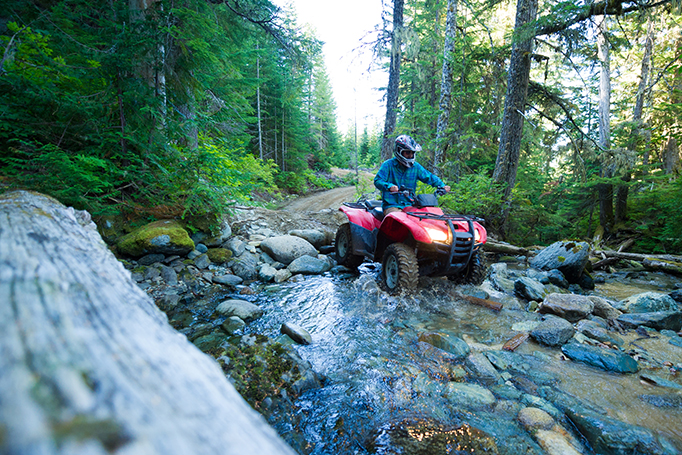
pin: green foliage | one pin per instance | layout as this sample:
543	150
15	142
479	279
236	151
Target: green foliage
474	194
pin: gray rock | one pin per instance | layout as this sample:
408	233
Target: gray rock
479	365
244	310
557	278
202	262
553	331
568	306
296	333
603	308
246	266
647	302
448	343
499	278
315	237
659	320
235	245
469	395
286	248
169	275
232	324
308	265
267	273
668	400
201	248
228	280
606	359
193	254
535	419
282	275
567	256
597	332
529	289
224	233
151	272
676	295
150	259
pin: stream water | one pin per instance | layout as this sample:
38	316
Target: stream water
383	388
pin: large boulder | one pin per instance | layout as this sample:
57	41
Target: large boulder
160	237
286	248
569	257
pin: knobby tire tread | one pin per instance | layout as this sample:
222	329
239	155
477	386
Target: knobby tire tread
408	276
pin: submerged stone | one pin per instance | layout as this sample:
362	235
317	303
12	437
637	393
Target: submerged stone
606	359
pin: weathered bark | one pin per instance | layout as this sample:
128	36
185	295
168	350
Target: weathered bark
505	248
605	190
445	86
88	363
393	89
657	262
508	153
671	155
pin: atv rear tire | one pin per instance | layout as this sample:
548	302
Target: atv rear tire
399	271
344	248
474	273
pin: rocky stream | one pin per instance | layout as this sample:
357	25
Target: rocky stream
544	357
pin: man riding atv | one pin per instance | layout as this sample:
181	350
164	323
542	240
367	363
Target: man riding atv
402	172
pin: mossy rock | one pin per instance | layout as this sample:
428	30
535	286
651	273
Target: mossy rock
164	237
219	255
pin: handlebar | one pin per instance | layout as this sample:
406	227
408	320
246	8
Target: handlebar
411	195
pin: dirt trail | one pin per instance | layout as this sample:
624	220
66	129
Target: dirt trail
331	199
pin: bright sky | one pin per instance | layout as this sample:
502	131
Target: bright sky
342	26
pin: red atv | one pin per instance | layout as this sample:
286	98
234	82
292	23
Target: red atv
419	240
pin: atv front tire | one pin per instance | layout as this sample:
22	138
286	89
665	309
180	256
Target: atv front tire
399	271
474	273
344	248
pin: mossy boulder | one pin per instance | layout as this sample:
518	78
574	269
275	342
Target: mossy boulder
163	237
219	255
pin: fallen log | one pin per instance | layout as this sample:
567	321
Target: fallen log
89	365
497	306
656	262
492	246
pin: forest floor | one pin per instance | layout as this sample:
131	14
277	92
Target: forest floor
332	199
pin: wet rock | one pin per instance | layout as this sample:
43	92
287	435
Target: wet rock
286	248
603	308
660	382
481	368
228	280
160	237
535	419
606	359
232	324
169	275
557	278
267	273
585	281
244	310
540	403
308	265
246	266
659	320
567	306
553	331
607	435
429	436
597	332
282	275
315	237
676	295
555	442
200	247
529	289
151	272
448	343
500	279
567	256
296	333
469	395
669	400
308	381
647	302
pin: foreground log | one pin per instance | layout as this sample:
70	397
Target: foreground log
505	248
89	365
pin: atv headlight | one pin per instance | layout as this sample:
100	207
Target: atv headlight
437	235
477	236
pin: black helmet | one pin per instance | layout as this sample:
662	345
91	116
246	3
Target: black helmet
405	142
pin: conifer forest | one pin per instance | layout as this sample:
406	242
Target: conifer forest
550	119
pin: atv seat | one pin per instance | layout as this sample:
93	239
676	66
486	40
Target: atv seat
374	207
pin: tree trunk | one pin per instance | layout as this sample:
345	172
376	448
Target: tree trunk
514	105
258	111
393	89
89	364
671	155
445	86
605	190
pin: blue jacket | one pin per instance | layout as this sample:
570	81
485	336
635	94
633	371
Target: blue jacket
393	173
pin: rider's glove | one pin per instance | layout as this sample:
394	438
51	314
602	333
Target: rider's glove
441	191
